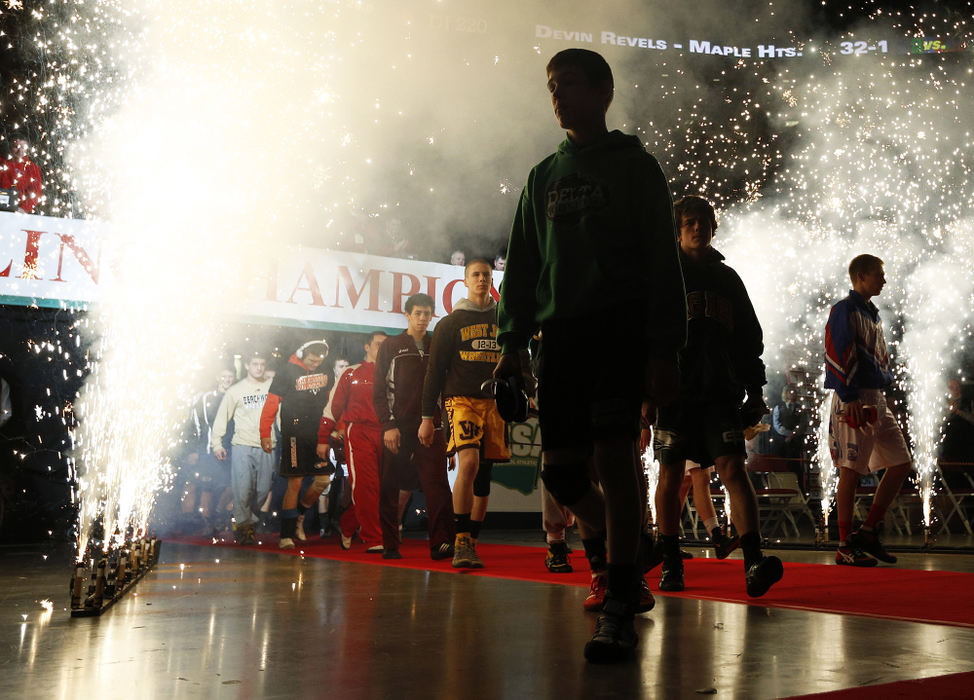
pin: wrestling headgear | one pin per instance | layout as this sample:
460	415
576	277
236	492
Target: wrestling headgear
512	402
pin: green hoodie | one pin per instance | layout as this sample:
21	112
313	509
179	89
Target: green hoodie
594	228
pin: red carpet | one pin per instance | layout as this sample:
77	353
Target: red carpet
954	685
942	597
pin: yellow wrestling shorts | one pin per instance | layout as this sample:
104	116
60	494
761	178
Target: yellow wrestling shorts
476	423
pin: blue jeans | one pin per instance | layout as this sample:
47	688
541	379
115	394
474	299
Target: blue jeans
250	478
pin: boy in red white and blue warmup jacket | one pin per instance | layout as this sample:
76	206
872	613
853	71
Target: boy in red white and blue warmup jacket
864	436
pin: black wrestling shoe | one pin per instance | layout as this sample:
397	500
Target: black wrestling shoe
762	575
723	545
557	558
615	637
869	543
391	554
852	556
444	550
646	600
671	579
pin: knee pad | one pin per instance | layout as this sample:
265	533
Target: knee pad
568	483
481	482
321	483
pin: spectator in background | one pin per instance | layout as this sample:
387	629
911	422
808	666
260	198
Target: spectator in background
338	369
790	422
20	173
500	262
458	257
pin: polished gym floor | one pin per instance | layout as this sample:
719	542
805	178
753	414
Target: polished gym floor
221	622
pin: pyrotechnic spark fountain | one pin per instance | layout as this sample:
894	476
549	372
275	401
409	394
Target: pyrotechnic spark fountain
885	168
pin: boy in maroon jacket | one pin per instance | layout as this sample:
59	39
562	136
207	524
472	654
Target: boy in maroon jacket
406	464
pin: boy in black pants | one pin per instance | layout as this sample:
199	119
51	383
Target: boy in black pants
592	257
720	364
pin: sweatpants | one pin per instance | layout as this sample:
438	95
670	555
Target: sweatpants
250	479
416	466
363	447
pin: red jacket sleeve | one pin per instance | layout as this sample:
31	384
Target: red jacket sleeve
337	403
268	414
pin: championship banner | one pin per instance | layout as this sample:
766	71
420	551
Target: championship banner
58	263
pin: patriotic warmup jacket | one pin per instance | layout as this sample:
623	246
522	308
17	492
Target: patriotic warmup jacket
855	349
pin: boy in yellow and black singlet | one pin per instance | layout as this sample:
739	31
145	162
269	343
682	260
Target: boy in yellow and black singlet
463	354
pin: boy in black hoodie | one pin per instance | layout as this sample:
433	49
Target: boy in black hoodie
719	365
592	256
462	356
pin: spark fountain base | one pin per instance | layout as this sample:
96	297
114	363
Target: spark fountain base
110	575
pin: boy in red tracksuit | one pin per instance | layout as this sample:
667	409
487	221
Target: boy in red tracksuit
406	464
351	401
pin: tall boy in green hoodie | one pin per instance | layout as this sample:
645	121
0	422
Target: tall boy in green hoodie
592	258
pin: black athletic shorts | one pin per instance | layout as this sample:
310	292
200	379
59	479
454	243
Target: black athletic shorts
591	373
299	457
700	432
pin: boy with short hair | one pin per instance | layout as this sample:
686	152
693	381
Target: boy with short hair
462	355
592	255
251	468
720	364
857	368
400	371
300	391
351	402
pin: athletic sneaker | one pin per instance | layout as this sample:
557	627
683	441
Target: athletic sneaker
671	579
723	545
853	556
869	543
684	554
615	637
646	600
375	549
286	543
346	542
762	575
246	535
596	594
443	551
391	554
464	554
557	558
299	529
